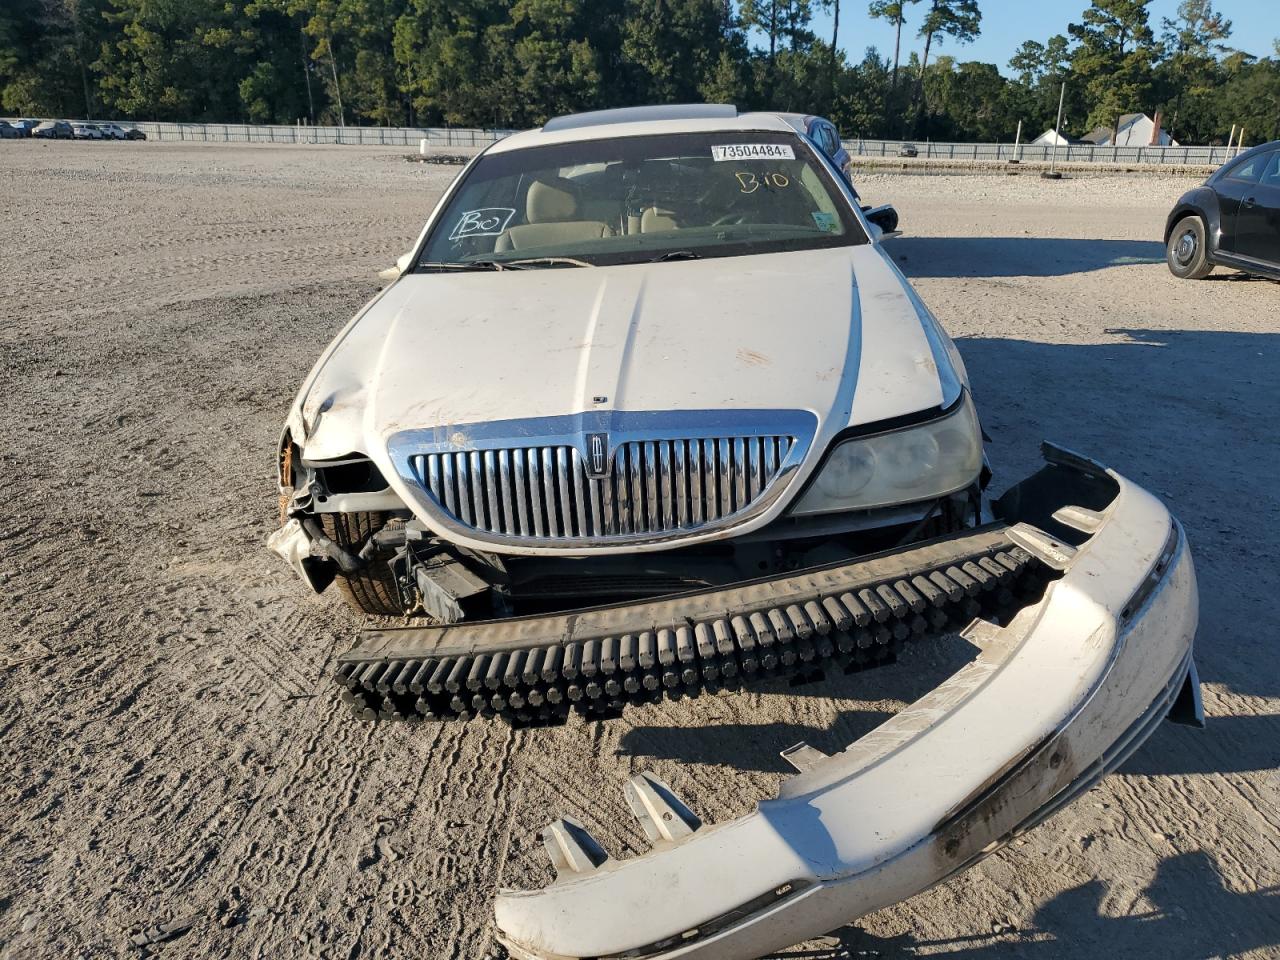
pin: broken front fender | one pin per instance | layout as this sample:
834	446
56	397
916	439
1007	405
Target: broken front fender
1053	701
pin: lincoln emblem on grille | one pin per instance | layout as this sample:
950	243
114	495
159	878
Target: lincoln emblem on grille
597	454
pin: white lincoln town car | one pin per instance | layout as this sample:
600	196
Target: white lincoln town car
648	411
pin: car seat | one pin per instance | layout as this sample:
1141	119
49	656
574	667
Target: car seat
551	217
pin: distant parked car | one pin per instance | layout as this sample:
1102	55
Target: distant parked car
1232	220
908	150
54	130
133	133
86	131
824	135
7	132
24	127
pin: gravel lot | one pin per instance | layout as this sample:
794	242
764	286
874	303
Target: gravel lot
172	751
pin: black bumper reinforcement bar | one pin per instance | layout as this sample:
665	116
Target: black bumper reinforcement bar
853	616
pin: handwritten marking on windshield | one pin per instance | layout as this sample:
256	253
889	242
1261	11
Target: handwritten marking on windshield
482	222
750	183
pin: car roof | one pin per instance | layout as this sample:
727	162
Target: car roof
800	118
639	122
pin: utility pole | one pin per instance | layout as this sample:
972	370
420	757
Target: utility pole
306	73
1053	173
337	88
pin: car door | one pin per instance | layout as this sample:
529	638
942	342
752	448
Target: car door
1258	216
1231	188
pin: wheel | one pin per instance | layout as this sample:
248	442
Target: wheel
1187	253
372	591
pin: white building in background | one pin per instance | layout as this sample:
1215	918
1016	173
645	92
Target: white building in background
1135	130
1053	139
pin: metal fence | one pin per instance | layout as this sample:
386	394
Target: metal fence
358	136
447	137
1040	152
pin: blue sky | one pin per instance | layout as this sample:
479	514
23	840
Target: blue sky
1006	23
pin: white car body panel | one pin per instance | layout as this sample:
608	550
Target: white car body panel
935	788
835	332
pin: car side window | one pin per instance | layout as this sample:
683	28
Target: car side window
818	134
1271	172
1247	171
832	141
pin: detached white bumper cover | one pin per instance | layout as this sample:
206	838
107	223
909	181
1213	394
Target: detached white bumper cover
1054	700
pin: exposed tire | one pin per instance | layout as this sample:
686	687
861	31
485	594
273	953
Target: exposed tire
371	591
1187	252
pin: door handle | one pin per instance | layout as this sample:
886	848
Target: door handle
1249	202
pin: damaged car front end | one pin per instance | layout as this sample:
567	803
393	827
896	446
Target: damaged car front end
650	413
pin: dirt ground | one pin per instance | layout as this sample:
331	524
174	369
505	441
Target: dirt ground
170	746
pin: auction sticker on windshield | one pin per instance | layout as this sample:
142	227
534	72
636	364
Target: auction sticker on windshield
752	151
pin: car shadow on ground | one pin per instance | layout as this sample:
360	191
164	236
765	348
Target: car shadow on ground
749	746
757	747
1189	415
1173	928
920	257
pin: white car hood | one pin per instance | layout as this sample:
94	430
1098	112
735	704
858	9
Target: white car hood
836	332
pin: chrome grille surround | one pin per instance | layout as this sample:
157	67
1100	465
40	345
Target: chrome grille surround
667	475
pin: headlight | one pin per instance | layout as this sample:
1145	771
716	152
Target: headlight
915	463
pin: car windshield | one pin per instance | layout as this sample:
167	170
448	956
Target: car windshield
640	199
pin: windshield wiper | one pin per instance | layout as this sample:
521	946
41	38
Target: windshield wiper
465	265
545	262
676	255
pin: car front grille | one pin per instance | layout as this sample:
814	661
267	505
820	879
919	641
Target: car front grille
651	487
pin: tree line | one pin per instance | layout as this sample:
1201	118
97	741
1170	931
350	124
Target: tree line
515	63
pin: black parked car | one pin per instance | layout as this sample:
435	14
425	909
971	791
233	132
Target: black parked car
54	130
1232	220
7	132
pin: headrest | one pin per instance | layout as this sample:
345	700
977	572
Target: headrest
546	203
